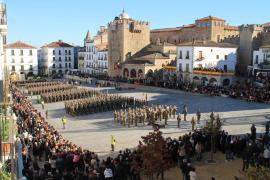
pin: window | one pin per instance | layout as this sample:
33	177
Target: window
13	61
187	67
22	67
30	52
69	52
21	60
12	52
53	65
180	67
31	68
53	52
257	59
69	65
65	58
59	52
69	58
53	58
60	59
65	52
187	55
218	38
21	52
13	68
200	55
217	56
180	54
65	65
60	65
225	68
226	57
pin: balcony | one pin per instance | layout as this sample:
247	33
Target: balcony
215	73
200	59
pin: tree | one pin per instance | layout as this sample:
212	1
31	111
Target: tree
152	157
212	128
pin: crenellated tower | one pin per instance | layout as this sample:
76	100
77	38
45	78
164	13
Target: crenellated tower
126	36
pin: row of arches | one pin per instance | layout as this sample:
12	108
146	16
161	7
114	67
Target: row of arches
211	81
133	73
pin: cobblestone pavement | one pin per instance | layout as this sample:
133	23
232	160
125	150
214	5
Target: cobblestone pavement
93	131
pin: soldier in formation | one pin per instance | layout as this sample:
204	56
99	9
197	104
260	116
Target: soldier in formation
185	111
101	103
49	89
198	116
69	94
144	115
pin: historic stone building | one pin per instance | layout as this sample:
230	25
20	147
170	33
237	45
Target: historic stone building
148	61
207	28
126	37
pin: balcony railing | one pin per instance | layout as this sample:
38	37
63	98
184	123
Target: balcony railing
213	73
200	59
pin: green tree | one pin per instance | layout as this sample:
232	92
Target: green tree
152	157
212	128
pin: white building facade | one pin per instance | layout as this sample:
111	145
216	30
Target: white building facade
206	62
57	58
3	40
261	62
93	57
21	60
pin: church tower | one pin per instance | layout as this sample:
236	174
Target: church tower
126	36
87	38
3	41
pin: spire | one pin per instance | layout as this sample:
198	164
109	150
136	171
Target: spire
88	36
124	15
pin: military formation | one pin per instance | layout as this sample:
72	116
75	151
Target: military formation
41	84
146	115
152	115
101	103
69	94
47	89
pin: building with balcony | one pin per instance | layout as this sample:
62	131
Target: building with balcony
57	58
206	62
93	57
21	60
261	62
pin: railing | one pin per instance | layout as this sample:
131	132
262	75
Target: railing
214	73
200	59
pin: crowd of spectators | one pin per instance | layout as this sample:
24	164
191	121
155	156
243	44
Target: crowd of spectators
210	69
47	155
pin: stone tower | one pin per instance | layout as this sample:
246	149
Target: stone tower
250	40
125	37
3	41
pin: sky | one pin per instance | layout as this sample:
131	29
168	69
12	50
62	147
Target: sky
38	22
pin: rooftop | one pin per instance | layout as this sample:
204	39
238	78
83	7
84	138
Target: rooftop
19	45
208	44
210	18
57	44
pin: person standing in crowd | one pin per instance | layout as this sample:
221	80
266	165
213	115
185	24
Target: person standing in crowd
253	132
113	141
64	122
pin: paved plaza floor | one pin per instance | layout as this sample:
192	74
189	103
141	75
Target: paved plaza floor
93	131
